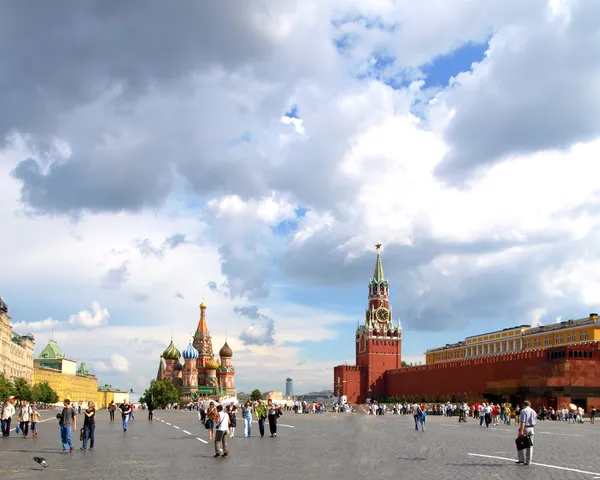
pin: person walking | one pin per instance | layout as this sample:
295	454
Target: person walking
247	414
231	411
35	418
273	413
89	425
111	410
221	434
211	417
527	422
24	414
68	423
150	410
417	415
7	413
261	415
125	410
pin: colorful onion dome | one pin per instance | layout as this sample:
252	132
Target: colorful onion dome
212	364
171	353
190	353
226	351
203	305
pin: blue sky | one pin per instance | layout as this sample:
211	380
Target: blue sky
278	160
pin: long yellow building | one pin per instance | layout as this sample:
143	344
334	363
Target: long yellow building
62	374
16	351
518	339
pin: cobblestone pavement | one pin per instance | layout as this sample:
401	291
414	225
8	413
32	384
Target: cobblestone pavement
308	446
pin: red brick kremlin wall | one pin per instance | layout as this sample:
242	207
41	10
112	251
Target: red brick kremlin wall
501	375
532	374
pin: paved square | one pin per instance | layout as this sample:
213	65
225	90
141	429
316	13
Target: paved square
308	446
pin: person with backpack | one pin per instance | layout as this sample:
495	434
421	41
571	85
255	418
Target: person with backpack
67	421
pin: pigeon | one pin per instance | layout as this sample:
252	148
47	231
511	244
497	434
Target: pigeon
41	460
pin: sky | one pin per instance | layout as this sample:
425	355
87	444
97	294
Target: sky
252	154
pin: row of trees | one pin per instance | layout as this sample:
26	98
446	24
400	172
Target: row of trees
40	392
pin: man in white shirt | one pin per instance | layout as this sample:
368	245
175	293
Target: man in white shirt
24	418
7	412
221	433
527	420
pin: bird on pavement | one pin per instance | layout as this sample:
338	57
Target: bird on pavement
41	460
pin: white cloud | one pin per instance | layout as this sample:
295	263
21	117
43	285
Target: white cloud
119	363
90	320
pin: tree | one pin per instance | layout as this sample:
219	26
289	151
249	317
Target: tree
404	364
43	393
6	388
22	389
161	393
255	395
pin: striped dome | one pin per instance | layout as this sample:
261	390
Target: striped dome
190	353
171	353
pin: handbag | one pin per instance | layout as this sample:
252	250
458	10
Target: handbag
523	442
81	435
18	429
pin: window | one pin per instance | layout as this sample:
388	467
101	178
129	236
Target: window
548	341
583	336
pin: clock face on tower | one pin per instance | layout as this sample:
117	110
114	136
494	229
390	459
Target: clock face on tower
382	314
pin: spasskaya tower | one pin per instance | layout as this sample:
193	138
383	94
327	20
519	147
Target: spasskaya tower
378	345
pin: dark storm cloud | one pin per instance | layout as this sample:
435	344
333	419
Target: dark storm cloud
56	56
536	91
262	329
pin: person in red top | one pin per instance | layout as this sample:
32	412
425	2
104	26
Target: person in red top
495	414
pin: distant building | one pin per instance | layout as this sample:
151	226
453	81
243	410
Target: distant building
69	382
107	394
324	396
289	387
273	396
16	351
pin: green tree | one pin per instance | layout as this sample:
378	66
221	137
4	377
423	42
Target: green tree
6	388
404	364
43	393
22	390
161	393
255	395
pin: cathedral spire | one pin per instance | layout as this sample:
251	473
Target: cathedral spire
378	273
202	326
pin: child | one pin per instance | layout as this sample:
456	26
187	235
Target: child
35	418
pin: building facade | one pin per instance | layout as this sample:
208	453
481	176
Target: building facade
551	365
64	377
16	351
107	394
201	374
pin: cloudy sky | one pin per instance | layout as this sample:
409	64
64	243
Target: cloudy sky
252	153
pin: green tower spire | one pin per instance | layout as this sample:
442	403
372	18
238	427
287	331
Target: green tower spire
378	273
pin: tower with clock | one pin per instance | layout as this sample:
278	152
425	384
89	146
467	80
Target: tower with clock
378	340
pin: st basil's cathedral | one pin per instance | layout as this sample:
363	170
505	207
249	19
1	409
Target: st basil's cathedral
200	374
